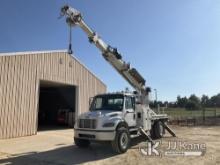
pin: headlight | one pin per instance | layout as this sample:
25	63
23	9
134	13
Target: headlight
109	124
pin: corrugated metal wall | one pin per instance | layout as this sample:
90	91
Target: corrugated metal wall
20	77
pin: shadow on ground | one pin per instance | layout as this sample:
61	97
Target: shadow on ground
61	156
65	155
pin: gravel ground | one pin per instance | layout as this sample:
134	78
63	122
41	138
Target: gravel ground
57	148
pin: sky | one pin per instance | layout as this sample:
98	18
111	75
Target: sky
175	45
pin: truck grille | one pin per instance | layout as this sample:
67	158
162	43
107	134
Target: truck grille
87	123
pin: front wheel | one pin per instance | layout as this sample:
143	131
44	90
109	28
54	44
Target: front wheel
82	143
121	142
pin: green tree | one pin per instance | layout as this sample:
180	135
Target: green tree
193	103
194	98
181	101
205	101
215	100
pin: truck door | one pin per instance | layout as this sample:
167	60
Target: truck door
129	112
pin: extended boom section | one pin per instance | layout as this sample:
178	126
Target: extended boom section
74	17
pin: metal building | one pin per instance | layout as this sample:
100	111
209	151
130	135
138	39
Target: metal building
34	86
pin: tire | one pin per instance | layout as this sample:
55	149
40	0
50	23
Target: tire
157	130
82	143
121	143
152	132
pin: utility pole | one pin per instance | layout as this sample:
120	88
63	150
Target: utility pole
155	90
157	105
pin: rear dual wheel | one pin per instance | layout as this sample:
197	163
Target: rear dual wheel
157	130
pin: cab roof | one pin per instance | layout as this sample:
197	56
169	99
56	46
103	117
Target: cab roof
117	93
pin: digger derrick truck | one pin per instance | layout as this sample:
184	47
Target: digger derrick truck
116	117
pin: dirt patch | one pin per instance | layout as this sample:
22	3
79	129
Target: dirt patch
56	147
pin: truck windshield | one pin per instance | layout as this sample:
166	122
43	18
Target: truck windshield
108	102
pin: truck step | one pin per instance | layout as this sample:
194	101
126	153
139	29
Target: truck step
134	136
169	129
133	129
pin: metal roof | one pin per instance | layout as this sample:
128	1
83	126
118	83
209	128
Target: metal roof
49	51
32	52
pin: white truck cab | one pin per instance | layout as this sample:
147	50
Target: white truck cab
106	112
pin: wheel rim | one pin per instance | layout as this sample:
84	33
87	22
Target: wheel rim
124	140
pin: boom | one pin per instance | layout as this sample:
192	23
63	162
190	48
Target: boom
133	77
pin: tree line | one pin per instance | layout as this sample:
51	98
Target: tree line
192	102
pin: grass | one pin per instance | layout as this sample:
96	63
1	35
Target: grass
183	113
